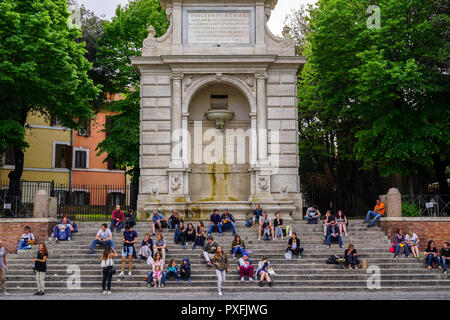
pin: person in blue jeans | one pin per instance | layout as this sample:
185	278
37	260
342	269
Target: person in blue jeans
27	239
399	242
334	233
215	222
431	255
237	246
103	238
227	222
377	213
63	231
445	256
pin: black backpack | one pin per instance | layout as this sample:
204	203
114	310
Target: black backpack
332	260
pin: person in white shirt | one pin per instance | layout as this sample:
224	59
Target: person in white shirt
103	238
27	239
412	241
107	265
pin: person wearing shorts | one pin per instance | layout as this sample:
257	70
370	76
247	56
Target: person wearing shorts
129	239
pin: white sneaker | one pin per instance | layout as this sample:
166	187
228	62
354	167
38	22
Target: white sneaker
129	273
6	293
250	279
69	239
220	293
56	239
121	274
109	292
242	278
105	292
259	239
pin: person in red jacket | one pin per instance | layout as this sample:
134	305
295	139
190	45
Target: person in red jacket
117	218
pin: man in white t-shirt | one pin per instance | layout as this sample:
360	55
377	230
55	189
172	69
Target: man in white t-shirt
103	238
27	239
3	268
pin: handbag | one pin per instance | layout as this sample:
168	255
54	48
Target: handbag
112	271
288	255
271	271
391	249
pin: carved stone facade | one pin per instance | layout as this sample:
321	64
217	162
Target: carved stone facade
239	74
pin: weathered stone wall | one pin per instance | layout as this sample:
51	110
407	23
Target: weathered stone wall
437	229
12	229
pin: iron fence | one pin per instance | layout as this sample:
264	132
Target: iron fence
432	205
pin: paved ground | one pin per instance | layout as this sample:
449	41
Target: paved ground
239	296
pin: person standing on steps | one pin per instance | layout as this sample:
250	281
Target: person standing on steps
3	269
215	223
257	214
220	261
377	213
117	218
103	238
129	239
294	245
210	250
107	264
40	267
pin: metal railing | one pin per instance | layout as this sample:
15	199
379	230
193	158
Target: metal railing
433	205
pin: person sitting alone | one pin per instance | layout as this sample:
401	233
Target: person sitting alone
73	224
294	245
351	257
27	239
245	267
266	226
117	218
103	238
216	220
333	234
377	213
227	222
63	231
312	215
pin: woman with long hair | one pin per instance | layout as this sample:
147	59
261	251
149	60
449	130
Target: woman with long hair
237	246
263	271
341	221
179	233
220	261
412	241
400	242
107	264
40	267
351	257
189	234
431	255
156	261
200	235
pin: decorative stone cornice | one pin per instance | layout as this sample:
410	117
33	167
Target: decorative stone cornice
176	76
261	76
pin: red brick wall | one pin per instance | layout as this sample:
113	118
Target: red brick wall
10	232
426	230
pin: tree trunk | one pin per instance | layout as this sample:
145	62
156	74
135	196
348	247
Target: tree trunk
439	169
16	174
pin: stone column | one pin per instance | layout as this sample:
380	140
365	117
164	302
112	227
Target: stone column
41	204
394	203
261	117
176	157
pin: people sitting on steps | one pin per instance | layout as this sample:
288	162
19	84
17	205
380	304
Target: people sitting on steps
265	227
172	270
129	239
63	231
200	235
185	270
326	222
294	245
73	224
279	227
431	256
263	271
189	235
333	234
179	234
130	218
257	214
158	221
342	222
216	220
400	243
117	219
174	220
351	257
412	241
445	256
237	246
227	222
210	250
27	239
146	249
157	260
377	213
245	267
103	238
312	215
160	246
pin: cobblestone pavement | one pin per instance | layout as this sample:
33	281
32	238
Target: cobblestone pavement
240	296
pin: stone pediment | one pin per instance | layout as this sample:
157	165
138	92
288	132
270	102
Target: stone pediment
227	27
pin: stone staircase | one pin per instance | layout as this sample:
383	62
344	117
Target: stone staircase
305	275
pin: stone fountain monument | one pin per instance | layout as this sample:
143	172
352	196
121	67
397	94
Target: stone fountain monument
219	122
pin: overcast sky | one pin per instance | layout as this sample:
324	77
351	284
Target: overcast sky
276	22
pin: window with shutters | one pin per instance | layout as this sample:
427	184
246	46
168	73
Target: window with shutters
80	159
63	156
81	198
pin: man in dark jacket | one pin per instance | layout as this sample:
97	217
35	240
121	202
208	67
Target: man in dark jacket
228	222
215	222
334	234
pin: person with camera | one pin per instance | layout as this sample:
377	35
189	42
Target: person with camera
27	239
107	263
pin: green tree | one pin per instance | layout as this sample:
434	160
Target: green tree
123	38
42	70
